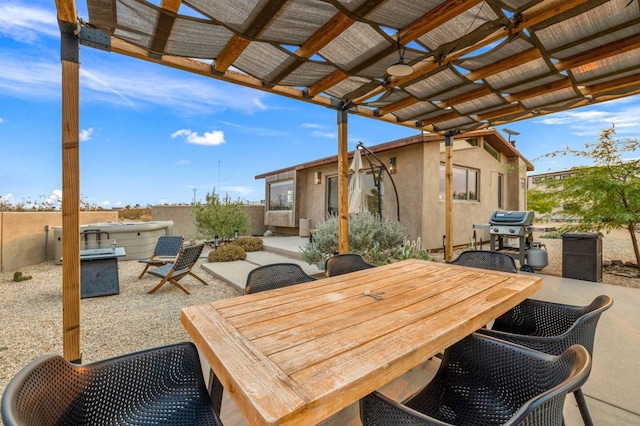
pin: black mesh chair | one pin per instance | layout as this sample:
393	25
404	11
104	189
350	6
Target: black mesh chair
276	275
166	247
160	386
344	263
552	328
180	268
486	259
486	381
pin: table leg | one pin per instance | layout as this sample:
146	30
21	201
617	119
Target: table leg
215	391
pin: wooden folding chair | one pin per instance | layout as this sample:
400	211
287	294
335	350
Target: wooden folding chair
166	250
173	272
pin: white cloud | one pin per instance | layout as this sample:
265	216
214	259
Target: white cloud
261	131
212	138
180	91
105	203
182	162
54	198
589	121
7	197
20	76
117	203
312	126
26	24
85	134
1	120
243	190
319	134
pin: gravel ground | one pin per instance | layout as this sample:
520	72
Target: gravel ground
134	320
112	325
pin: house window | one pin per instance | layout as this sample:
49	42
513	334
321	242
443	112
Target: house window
370	189
281	195
465	183
491	151
500	191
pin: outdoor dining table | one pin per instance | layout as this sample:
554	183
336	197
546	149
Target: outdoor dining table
299	354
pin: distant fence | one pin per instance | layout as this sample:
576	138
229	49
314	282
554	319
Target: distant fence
26	238
184	224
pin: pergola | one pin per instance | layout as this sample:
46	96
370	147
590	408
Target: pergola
475	64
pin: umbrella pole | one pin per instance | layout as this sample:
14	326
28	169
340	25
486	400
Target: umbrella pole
343	170
69	55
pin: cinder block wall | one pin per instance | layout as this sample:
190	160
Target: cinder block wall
24	240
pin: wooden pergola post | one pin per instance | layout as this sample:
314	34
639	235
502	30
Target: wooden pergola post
343	170
448	194
69	56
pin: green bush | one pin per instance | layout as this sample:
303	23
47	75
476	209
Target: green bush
17	277
220	217
249	243
377	241
227	253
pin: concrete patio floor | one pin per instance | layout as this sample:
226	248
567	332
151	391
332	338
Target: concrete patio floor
611	392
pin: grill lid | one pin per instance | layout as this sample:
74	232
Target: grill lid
524	218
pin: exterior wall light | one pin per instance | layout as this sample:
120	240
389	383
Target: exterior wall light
317	178
392	165
236	234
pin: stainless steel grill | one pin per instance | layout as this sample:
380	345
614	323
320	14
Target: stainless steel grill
507	225
510	223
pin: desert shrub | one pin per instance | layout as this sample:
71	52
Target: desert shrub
552	235
377	241
249	243
17	276
227	253
220	217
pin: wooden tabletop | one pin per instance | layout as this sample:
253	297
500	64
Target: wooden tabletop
302	353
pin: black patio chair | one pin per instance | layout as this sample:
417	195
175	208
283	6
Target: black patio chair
276	275
160	386
486	259
181	267
344	263
486	381
552	328
167	247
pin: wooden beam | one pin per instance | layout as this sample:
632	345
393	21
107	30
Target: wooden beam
171	5
343	190
445	117
505	64
67	11
599	53
465	97
398	105
513	109
70	146
230	53
323	84
325	34
448	194
620	83
540	90
71	210
434	18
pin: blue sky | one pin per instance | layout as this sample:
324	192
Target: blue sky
151	134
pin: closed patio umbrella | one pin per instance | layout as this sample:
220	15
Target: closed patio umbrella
357	190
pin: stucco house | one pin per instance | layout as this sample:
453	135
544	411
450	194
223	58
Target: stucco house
489	174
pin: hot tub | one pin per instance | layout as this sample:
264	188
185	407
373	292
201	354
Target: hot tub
137	238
